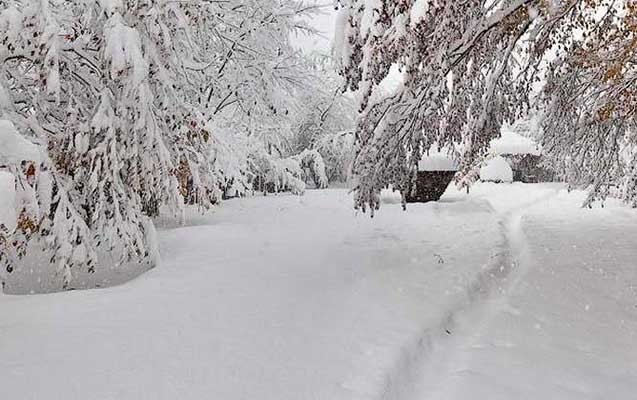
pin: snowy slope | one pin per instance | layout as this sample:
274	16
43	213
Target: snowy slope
300	298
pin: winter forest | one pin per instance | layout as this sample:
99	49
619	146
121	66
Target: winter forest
318	199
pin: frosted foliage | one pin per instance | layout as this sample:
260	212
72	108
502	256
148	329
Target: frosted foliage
123	50
469	67
313	161
456	62
111	105
588	105
419	11
8	215
122	108
337	150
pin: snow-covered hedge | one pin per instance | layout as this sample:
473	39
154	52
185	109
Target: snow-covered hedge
337	150
312	162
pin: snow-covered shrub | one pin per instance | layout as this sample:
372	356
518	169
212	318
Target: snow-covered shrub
274	174
496	169
277	174
312	162
231	153
337	150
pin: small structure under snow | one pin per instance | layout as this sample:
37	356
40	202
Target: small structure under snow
496	170
435	172
522	155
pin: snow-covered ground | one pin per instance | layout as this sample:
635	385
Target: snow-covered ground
511	292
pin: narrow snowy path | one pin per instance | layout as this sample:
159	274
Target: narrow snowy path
563	321
301	298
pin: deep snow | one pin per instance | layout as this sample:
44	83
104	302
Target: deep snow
510	292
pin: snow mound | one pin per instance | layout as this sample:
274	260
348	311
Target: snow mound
496	169
437	161
514	143
13	147
7	200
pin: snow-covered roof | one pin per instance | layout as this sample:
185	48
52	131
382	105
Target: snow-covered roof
496	169
7	200
437	161
514	143
14	148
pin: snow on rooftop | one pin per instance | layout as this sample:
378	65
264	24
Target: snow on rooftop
7	200
14	148
496	169
437	161
514	143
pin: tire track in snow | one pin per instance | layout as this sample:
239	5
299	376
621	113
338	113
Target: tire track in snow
424	366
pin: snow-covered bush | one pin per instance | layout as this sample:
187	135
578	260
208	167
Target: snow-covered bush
276	174
312	162
337	150
273	174
496	169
